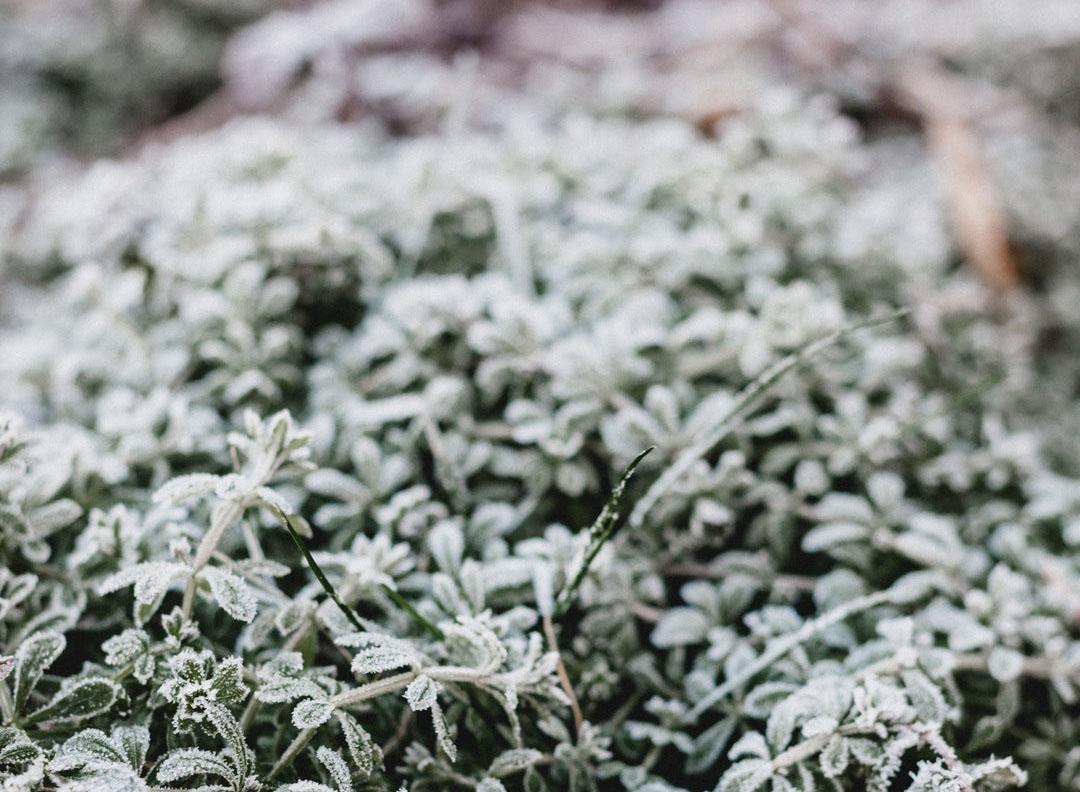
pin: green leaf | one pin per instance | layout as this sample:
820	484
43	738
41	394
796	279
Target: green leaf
16	748
228	681
232	593
513	761
746	776
311	713
925	697
709	745
79	701
365	752
188	762
680	627
33	656
226	725
335	765
834	757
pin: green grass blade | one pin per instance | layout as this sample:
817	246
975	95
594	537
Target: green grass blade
599	532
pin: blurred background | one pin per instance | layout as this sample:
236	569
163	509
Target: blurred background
968	111
970	105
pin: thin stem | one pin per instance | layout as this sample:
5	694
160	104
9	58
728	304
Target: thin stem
809	747
294	749
379	687
230	512
782	646
564	678
747	399
400	734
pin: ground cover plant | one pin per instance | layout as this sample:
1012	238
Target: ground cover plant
576	451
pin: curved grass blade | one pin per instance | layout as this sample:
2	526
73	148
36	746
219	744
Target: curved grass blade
747	398
599	532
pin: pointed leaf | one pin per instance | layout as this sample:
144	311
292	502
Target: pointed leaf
33	656
81	700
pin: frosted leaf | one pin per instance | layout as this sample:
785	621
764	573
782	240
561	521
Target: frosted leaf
134	742
124	648
471	577
335	765
288	619
279	689
422	693
227	726
825	537
927	550
187	762
108	778
232	593
446	594
262	566
88	746
746	776
377	659
227	682
364	751
16	748
489	784
472	642
272	499
304	786
442	732
447	545
311	713
709	745
513	761
7	665
33	656
760	701
750	744
182	488
781	724
276	688
1005	664
53	516
998	773
150	579
680	627
834	757
80	700
543	588
898	632
886	490
925	697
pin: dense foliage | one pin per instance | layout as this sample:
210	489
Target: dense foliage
851	560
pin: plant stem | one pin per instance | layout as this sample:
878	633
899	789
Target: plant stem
782	646
229	513
746	400
564	678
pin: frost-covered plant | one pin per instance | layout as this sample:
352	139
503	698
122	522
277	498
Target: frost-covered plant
312	488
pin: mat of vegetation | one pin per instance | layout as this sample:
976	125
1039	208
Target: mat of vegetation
312	470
